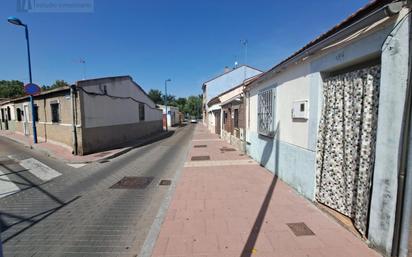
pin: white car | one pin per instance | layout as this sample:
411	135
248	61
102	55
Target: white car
193	121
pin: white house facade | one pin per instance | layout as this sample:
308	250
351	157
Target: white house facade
226	81
353	79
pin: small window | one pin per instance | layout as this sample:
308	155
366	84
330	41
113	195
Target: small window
141	111
224	117
36	112
266	112
19	114
236	118
302	107
55	112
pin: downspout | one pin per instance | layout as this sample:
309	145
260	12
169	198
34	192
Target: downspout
404	194
73	109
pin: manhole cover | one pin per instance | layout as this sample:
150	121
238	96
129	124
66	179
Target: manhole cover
165	182
200	146
300	229
200	158
133	183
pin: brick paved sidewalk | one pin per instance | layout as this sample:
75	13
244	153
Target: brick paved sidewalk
215	207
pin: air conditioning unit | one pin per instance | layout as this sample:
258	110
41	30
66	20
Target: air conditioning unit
300	109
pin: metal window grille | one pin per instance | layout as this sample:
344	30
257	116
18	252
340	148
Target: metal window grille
265	113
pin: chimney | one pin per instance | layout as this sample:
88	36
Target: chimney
227	69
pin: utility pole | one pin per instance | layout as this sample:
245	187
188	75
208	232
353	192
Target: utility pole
15	21
244	43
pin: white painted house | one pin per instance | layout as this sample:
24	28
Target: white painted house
173	115
353	83
226	81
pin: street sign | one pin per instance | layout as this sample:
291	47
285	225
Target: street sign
31	89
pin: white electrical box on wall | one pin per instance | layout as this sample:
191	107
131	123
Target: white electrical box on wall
300	109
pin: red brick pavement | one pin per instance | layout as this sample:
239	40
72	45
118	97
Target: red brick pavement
242	210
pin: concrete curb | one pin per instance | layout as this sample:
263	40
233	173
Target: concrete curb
150	242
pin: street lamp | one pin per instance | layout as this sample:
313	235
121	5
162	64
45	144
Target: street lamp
17	22
167	80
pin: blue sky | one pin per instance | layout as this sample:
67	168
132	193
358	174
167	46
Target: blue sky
189	41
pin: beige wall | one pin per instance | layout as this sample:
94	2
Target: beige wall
60	132
231	94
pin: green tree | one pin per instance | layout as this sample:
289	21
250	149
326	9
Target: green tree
193	106
171	100
181	102
156	96
56	84
11	88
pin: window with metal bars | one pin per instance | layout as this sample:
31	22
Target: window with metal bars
266	112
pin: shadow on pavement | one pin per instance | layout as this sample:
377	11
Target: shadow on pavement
4	226
32	219
133	145
253	236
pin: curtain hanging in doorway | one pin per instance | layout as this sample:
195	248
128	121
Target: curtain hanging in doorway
346	143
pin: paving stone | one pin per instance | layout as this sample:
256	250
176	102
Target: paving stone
233	218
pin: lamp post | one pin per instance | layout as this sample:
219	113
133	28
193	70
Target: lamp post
17	22
167	80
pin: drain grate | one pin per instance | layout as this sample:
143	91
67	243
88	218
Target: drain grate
300	229
225	149
133	183
165	182
200	158
200	146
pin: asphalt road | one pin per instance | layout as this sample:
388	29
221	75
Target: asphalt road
78	213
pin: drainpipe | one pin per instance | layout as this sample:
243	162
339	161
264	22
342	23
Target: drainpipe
73	108
404	195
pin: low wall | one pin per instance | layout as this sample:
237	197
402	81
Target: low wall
236	142
105	138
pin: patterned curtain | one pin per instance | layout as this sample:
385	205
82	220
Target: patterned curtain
346	143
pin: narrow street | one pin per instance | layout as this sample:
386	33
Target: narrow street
77	213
